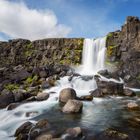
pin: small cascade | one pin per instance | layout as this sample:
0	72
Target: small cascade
93	56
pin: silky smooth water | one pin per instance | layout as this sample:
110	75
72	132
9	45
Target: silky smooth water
93	56
98	115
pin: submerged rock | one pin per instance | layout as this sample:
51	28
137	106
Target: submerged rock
86	98
42	96
66	94
74	132
23	129
73	106
133	106
129	92
96	93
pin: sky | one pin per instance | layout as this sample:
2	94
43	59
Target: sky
37	19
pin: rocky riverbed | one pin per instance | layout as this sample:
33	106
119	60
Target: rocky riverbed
43	97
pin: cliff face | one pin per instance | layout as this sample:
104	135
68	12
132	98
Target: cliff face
41	52
123	49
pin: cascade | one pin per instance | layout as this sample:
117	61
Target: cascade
93	56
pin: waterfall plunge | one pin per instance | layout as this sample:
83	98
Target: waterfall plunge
93	56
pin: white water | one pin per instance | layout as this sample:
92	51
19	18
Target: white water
93	60
93	56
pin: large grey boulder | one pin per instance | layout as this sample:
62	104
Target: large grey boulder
66	94
73	106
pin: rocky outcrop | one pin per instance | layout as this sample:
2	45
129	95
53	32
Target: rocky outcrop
41	52
123	50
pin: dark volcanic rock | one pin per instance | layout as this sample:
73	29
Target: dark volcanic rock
109	87
6	97
24	128
124	46
96	93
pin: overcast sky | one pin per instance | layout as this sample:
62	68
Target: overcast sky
36	19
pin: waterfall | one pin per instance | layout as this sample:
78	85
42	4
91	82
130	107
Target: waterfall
93	56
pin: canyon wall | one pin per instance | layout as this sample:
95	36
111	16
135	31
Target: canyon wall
41	52
123	50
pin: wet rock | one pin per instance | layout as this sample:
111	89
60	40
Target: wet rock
33	91
66	94
51	81
114	135
96	93
13	106
86	98
6	97
129	92
73	106
74	132
109	87
22	137
133	106
33	98
31	114
24	128
19	95
45	85
40	127
42	96
44	137
104	73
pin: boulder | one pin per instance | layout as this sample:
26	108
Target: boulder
42	96
13	106
74	132
40	127
129	92
86	98
44	137
133	106
111	134
19	95
6	97
66	94
96	93
20	75
73	106
109	87
23	129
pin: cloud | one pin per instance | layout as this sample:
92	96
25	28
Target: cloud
18	21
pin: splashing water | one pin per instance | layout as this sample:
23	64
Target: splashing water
93	57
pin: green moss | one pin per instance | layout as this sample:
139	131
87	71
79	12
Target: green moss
110	50
29	46
28	53
30	80
109	35
138	77
11	87
65	62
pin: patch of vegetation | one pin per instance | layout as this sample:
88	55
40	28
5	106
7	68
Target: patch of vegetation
29	46
138	77
31	79
109	35
65	62
11	87
110	50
